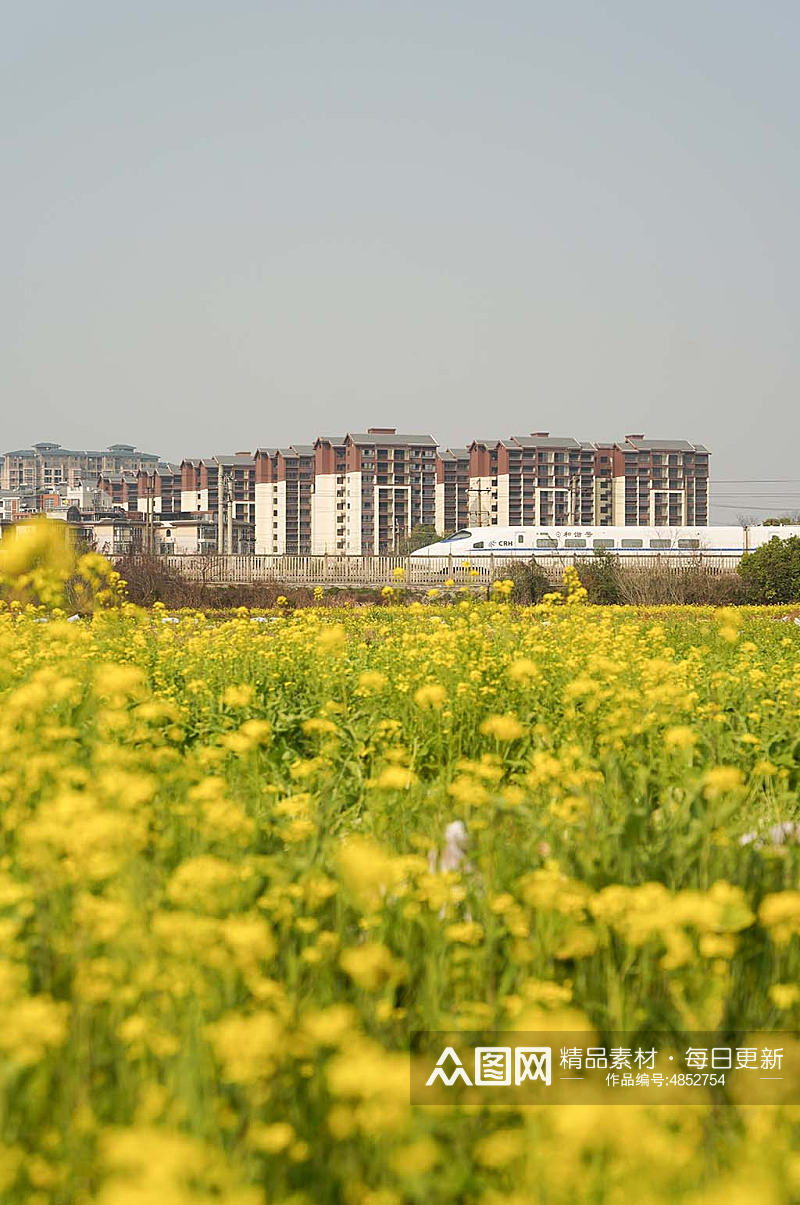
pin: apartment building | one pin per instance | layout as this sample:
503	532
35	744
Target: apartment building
198	536
363	492
222	487
160	489
482	490
543	480
539	480
328	501
452	490
119	491
236	485
11	507
199	481
660	483
47	465
371	488
284	491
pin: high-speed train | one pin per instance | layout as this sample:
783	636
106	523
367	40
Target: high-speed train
627	542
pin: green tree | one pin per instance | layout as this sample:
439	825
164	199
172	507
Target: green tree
418	537
772	572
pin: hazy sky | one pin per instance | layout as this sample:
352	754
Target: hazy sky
237	223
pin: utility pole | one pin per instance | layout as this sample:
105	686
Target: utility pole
480	490
220	509
573	492
224	511
149	515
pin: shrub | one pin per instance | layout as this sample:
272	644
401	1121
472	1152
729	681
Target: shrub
772	573
149	580
692	583
531	581
601	578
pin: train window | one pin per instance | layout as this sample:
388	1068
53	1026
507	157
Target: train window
520	539
574	543
547	542
478	544
458	535
633	543
661	543
688	543
602	543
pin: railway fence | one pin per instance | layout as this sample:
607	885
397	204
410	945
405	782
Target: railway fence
213	569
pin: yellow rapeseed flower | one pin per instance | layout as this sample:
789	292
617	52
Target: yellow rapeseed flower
720	780
503	727
433	695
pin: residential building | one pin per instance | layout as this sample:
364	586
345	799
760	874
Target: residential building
543	480
126	533
119	491
538	480
199	486
10	505
160	489
84	497
198	536
371	489
47	465
236	502
328	499
660	483
363	492
452	490
603	484
238	477
222	487
114	535
482	491
284	491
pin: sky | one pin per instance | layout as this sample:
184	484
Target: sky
237	224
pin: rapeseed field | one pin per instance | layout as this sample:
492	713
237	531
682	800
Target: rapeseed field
227	897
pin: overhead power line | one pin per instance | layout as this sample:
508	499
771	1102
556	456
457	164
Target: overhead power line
747	506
